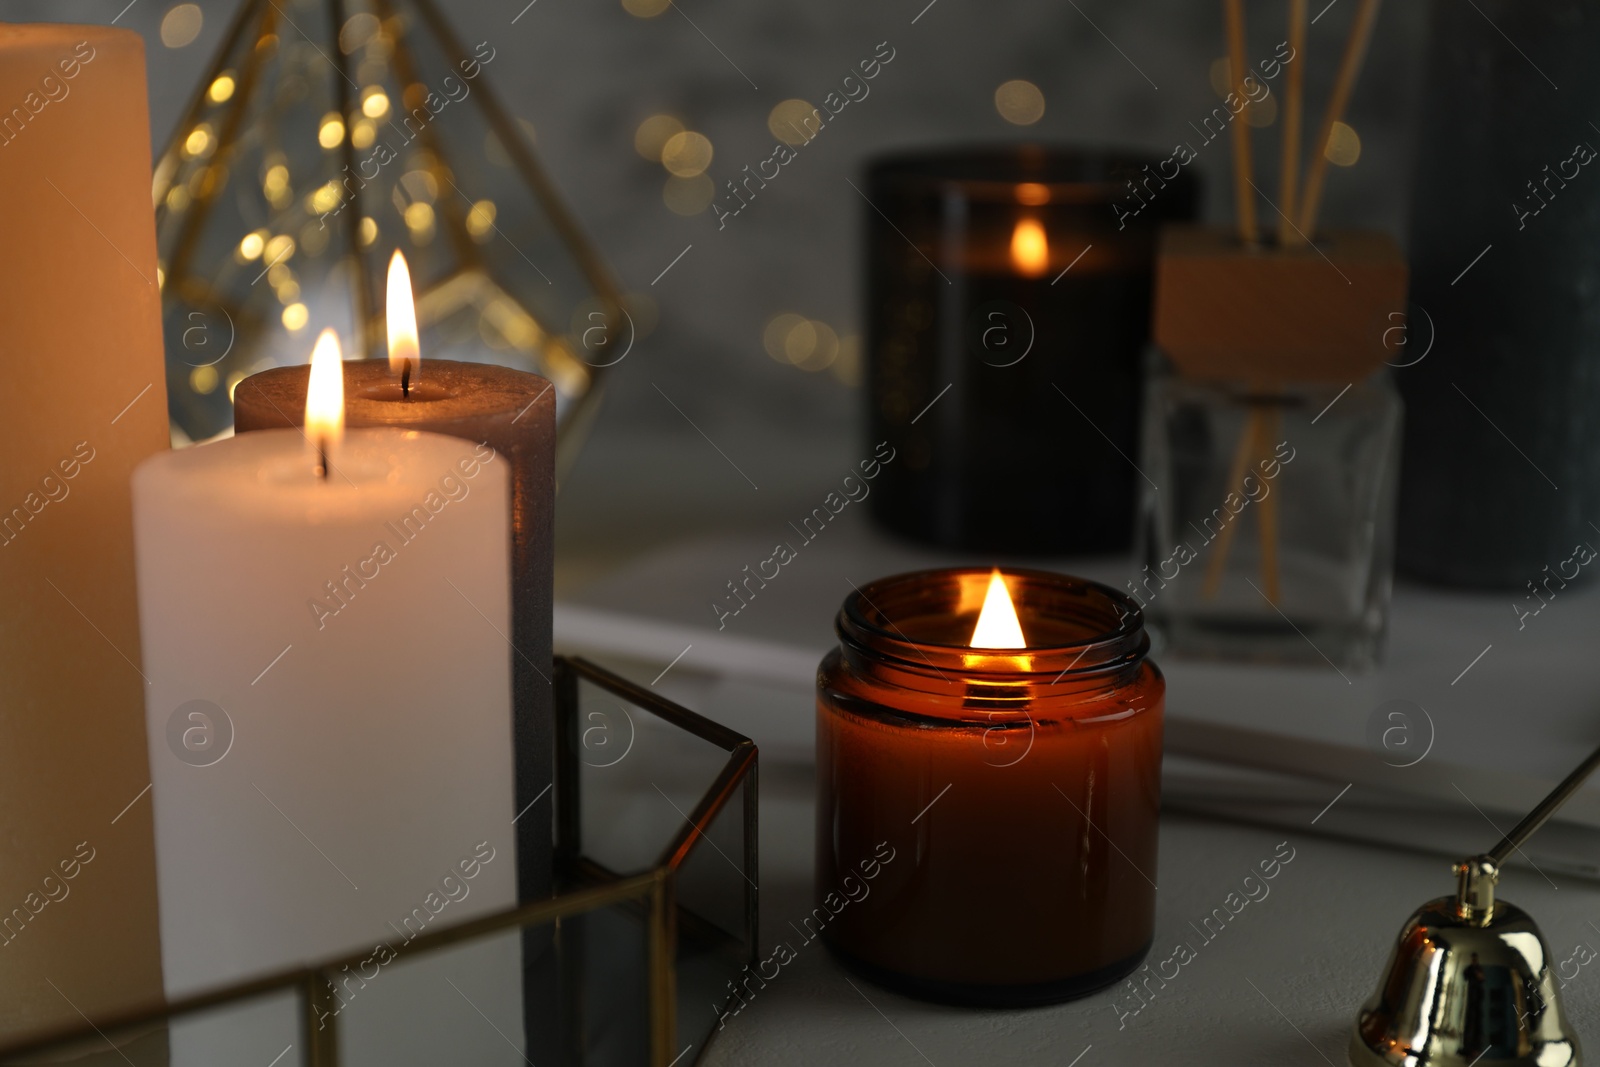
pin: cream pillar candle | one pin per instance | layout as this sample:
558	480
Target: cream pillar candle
329	721
85	389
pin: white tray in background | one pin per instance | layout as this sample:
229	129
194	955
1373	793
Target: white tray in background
1513	709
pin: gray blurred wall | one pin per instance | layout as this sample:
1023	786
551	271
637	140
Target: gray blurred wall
584	73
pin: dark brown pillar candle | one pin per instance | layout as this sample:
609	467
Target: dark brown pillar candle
515	414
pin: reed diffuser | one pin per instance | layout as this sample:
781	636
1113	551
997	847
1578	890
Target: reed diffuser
1273	438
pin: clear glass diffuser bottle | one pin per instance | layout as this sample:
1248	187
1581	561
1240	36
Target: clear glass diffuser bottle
1269	526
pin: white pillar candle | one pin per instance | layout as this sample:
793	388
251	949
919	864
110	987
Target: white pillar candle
329	709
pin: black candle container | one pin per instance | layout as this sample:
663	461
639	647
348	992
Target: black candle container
1008	311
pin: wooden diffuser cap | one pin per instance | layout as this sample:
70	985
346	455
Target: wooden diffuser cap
1270	314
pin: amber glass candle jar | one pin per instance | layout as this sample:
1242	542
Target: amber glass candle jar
987	817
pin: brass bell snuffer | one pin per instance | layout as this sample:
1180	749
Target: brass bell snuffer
1469	980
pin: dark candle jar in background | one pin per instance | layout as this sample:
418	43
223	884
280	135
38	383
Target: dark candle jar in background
987	819
1008	310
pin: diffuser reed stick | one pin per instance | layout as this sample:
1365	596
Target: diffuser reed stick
1265	432
1249	445
1293	108
1244	203
1355	52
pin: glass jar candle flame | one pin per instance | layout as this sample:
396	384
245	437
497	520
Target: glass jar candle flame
1015	790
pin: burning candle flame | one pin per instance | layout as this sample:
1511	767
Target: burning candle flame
405	358
997	622
1030	249
325	397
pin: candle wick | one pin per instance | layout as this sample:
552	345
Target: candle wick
322	457
405	380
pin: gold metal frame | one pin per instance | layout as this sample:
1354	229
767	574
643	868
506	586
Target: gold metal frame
591	887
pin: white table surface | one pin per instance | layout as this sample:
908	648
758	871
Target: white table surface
1280	985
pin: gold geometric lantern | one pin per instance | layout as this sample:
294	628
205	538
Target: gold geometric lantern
328	134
